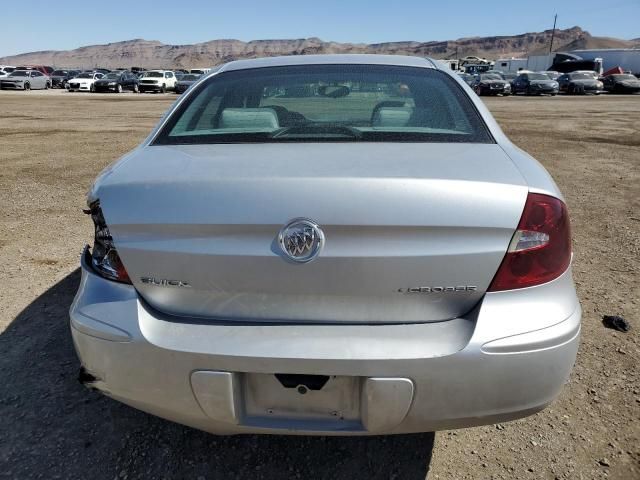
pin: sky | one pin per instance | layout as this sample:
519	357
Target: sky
48	25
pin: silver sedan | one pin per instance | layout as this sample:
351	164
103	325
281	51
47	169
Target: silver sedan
342	245
25	80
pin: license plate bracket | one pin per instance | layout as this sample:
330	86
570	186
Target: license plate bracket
337	402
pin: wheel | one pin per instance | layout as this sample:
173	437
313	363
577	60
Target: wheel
136	89
163	89
65	85
27	86
92	88
119	88
47	86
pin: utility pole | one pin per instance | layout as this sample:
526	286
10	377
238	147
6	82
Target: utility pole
553	32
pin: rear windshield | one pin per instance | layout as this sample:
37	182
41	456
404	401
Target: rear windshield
620	76
490	76
538	76
337	103
580	76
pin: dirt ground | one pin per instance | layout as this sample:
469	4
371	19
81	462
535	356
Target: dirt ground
52	145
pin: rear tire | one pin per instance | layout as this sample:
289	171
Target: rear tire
163	89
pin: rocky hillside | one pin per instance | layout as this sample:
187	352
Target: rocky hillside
149	54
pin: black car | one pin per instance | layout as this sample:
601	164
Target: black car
534	84
185	82
576	83
60	78
117	82
490	84
621	83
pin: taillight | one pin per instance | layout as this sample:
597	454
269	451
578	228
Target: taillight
540	250
104	256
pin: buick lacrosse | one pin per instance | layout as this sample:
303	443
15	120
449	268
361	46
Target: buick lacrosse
343	244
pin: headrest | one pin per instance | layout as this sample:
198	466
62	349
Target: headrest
392	117
249	118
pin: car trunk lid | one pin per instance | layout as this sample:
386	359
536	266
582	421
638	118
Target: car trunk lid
414	232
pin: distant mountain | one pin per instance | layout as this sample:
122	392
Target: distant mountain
149	54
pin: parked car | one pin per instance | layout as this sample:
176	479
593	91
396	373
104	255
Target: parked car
84	82
117	82
25	80
157	81
579	83
621	83
185	82
269	264
60	78
7	69
534	84
490	84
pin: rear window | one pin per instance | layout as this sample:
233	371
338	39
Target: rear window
326	103
624	77
580	76
538	76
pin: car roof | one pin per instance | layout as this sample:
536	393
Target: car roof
345	59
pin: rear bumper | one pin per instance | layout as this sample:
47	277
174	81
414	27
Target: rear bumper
150	88
505	360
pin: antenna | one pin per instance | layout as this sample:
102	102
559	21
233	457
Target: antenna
553	32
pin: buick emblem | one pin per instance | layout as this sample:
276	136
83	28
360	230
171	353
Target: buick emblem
301	240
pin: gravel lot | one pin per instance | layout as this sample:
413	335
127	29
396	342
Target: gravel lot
52	144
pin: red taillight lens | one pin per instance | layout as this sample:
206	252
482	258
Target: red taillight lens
541	247
104	256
